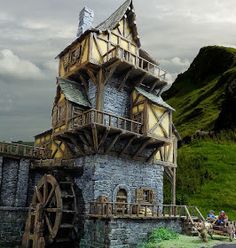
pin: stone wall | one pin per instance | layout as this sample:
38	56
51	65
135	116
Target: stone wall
123	233
11	226
14	181
128	233
104	174
14	176
116	101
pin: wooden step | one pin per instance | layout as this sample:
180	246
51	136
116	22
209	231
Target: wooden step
67	226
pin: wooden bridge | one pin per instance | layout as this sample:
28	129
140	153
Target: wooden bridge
18	150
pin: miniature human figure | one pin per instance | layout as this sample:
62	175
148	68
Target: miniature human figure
211	216
222	218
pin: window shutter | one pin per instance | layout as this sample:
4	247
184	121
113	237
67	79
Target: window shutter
139	195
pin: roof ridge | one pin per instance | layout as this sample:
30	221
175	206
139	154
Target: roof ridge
127	2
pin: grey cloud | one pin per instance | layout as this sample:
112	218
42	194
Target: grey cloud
36	31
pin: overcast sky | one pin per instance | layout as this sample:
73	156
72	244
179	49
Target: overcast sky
34	32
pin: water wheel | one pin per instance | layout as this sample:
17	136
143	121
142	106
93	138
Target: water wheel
52	214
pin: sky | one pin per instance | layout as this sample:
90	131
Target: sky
34	32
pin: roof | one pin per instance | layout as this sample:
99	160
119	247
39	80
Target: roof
112	21
73	92
114	18
49	131
155	99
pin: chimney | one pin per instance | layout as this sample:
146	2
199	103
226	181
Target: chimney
85	20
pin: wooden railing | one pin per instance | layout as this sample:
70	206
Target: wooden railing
20	150
139	62
136	210
105	119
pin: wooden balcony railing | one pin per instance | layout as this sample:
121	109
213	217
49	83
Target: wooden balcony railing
135	60
136	210
105	119
20	150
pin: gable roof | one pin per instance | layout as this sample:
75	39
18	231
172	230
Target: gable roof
73	92
153	98
112	21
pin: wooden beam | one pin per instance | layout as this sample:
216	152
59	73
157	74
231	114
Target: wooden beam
104	137
154	153
174	187
159	120
140	81
97	45
123	81
154	85
84	82
116	137
100	90
95	137
127	145
76	144
111	71
92	76
141	148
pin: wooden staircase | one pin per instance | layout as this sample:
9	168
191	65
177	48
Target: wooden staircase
193	217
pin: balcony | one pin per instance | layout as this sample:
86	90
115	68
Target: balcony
100	118
95	131
135	60
142	211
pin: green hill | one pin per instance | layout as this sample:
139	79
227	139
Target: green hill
205	99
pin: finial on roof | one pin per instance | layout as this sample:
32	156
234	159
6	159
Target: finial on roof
85	20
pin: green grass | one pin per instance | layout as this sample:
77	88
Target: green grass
207	175
193	242
165	238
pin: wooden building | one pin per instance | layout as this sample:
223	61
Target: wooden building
110	122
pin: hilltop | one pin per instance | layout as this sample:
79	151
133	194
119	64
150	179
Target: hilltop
205	99
205	95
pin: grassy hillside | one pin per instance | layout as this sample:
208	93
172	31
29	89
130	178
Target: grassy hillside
207	175
205	98
199	94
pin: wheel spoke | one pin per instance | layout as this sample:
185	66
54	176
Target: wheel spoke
45	189
39	195
48	222
52	210
50	196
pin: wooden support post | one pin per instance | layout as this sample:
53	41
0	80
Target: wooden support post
127	145
141	148
103	139
100	90
174	187
116	137
95	137
123	81
154	85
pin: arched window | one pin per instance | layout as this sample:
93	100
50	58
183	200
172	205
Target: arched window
121	201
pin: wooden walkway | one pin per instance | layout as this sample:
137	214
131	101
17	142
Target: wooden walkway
17	150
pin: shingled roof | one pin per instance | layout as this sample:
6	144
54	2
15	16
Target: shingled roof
73	92
153	98
112	21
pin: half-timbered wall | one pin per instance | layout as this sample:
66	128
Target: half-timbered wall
159	120
77	55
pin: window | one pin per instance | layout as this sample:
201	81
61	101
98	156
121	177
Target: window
138	117
121	201
75	55
145	195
